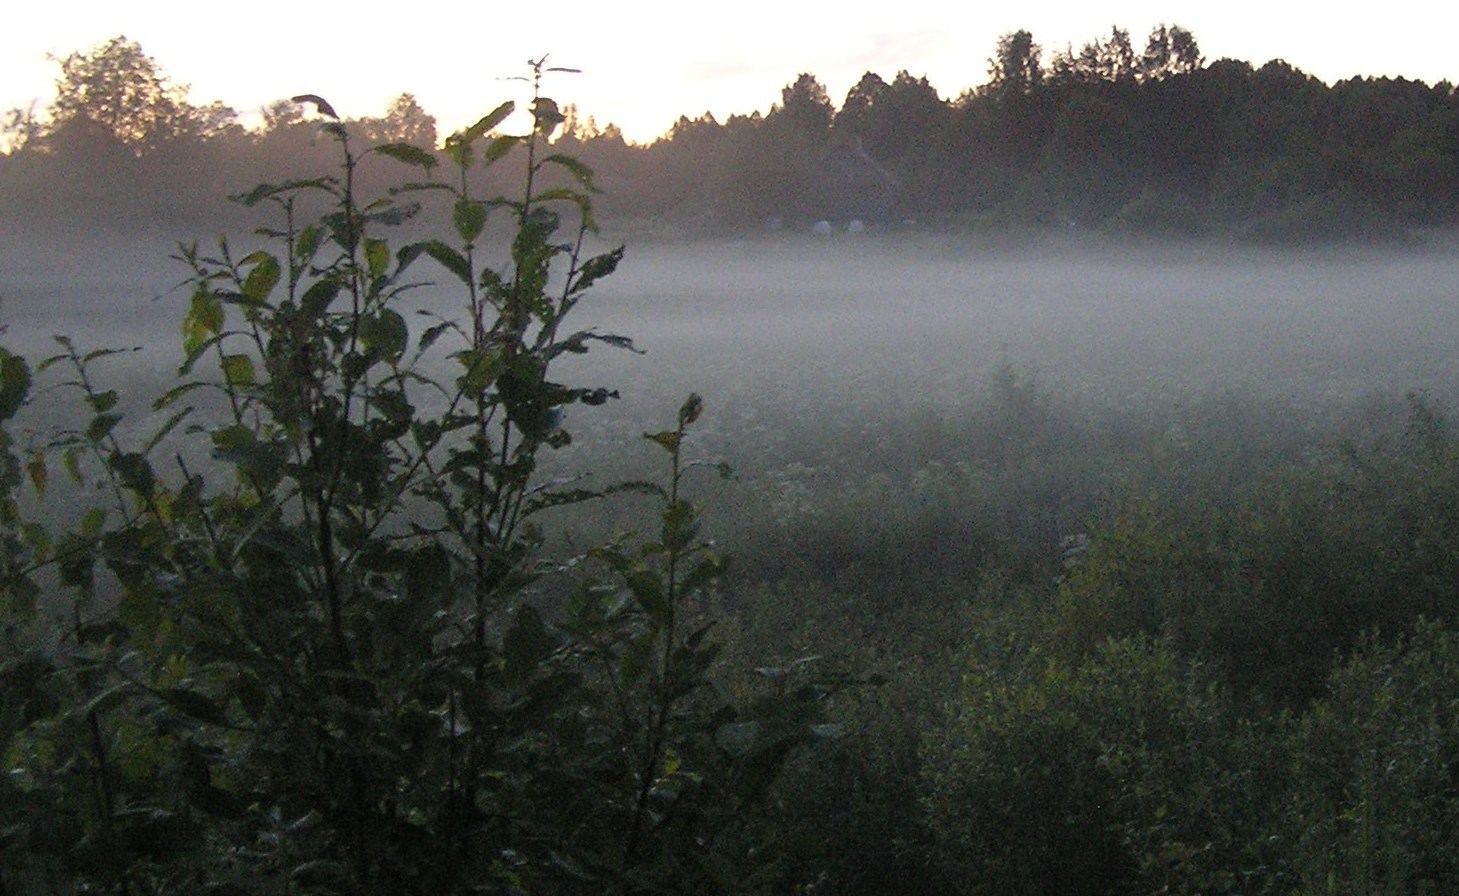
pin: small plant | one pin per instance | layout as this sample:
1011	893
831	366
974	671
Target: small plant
335	659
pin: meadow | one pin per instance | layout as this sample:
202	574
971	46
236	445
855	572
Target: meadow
973	467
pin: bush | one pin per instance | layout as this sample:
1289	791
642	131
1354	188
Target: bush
1125	773
1374	806
320	649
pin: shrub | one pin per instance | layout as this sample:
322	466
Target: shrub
1124	773
1374	806
336	659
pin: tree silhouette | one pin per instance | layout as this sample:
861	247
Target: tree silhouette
404	122
806	106
121	89
1016	67
856	110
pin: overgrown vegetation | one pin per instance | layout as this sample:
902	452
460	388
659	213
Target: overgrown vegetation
1131	707
303	637
309	629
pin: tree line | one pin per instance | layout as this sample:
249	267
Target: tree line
1100	136
1107	136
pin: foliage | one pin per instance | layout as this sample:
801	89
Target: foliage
1373	805
1121	773
119	89
307	639
1015	68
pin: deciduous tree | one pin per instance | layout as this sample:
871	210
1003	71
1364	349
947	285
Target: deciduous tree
123	90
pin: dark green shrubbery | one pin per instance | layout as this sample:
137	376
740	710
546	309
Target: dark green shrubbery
1189	714
1374	806
303	637
1123	772
1273	579
1130	771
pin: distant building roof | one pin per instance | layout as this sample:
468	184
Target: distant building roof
852	184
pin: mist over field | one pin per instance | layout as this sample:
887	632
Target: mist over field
874	327
853	382
889	322
874	324
972	467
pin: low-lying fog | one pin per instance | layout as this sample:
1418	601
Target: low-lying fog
915	321
853	323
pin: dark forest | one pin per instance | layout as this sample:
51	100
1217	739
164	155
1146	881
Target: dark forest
1112	136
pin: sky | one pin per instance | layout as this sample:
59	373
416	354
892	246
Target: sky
646	62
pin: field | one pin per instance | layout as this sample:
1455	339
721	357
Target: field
977	470
831	366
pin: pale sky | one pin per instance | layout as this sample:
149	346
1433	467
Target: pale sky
645	62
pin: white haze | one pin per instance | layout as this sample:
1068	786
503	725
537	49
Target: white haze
873	323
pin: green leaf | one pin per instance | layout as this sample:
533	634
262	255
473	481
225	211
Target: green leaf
469	218
172	395
459	153
431	334
101	425
166	428
39	473
637	657
565	194
308	242
648	590
238	370
318	297
101	402
406	255
204	319
239	445
577	343
706	571
14	383
497	149
596	268
194	705
377	257
20	600
690	410
134	472
737	738
409	154
321	105
109	699
106	353
526	644
580	172
485	123
546	115
261	279
669	440
92	521
393	406
71	460
449	258
385	335
428	574
680	528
